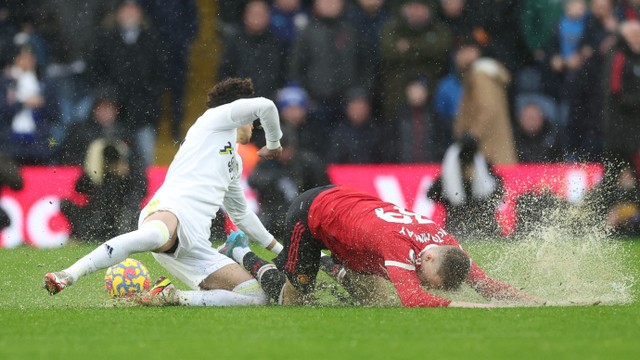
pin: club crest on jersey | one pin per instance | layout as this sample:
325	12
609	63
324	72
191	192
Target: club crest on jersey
303	279
227	149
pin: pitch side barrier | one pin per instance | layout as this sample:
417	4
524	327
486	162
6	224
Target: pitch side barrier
36	219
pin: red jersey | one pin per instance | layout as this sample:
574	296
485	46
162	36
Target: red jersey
371	236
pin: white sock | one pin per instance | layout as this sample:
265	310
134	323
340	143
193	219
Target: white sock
148	237
277	248
247	293
238	254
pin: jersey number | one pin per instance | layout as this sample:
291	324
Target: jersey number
402	216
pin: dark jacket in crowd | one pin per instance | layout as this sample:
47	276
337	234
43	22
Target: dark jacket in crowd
258	57
80	135
356	145
114	186
428	56
9	176
584	127
540	148
325	59
622	101
420	139
136	71
496	27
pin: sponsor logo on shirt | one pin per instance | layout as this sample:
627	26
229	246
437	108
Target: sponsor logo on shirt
227	149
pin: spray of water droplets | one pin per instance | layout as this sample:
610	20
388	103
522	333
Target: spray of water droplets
569	259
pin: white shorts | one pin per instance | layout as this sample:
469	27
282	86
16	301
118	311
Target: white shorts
194	259
192	269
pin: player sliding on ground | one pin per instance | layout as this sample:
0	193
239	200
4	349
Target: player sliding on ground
374	240
203	176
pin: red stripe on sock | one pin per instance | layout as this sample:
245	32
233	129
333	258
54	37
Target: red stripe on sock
294	245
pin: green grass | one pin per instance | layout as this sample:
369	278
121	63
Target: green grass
82	323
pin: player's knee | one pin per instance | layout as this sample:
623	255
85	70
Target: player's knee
158	232
251	288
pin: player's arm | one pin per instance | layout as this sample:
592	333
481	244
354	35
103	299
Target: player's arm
493	289
245	111
246	220
411	293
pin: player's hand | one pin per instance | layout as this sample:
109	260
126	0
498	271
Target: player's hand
463	304
269	154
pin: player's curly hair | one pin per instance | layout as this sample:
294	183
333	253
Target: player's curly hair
228	90
454	267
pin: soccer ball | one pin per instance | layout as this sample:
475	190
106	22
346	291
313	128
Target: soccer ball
126	279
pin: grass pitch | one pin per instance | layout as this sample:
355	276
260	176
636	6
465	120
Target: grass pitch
82	323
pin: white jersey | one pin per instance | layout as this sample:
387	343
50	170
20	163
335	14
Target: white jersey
205	173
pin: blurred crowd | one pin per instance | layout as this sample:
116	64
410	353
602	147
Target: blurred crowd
355	81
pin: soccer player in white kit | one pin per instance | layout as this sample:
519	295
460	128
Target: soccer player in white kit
175	224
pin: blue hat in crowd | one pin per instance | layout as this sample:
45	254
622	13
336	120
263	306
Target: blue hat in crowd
292	95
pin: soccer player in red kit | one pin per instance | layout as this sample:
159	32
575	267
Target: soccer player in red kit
368	237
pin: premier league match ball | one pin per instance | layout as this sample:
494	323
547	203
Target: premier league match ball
126	279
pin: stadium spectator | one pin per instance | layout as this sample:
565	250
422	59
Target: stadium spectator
374	240
28	35
103	123
584	126
312	134
622	96
279	181
496	27
113	192
420	138
128	57
357	139
448	93
68	27
176	223
414	43
565	58
455	14
628	9
369	18
615	202
469	190
288	18
529	87
537	20
7	32
536	138
26	111
484	109
177	25
9	176
229	16
254	52
325	60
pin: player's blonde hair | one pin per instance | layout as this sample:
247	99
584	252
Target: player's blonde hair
454	267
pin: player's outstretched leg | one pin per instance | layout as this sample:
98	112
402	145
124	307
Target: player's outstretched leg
150	236
164	293
270	278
